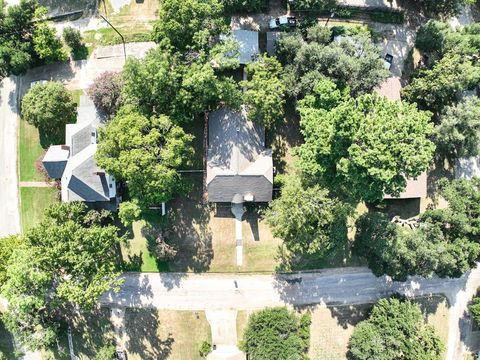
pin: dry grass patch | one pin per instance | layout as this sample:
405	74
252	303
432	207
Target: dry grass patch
155	335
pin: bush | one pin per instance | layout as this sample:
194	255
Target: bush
72	37
276	333
129	211
205	349
475	308
105	92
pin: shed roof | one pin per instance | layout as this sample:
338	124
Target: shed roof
416	188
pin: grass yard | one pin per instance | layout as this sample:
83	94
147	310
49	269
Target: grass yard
90	332
333	325
30	151
204	237
33	201
156	335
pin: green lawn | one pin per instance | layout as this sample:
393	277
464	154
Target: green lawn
175	335
76	96
30	151
33	201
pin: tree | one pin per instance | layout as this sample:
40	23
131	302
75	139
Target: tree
303	217
106	92
445	243
394	330
244	6
440	86
7	246
362	148
431	37
129	211
72	37
17	53
287	46
264	91
162	84
444	8
65	262
458	134
474	308
189	24
49	107
276	333
317	5
320	34
48	46
145	153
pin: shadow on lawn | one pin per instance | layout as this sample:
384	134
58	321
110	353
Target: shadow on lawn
142	327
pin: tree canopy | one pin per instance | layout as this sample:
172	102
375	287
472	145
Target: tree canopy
106	92
163	84
68	260
264	91
146	153
7	246
47	45
445	243
362	148
394	330
189	24
276	333
49	107
353	60
305	218
458	134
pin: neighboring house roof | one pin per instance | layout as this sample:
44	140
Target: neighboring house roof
238	162
82	179
416	188
248	42
468	167
55	160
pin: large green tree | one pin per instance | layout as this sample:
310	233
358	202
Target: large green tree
67	261
458	134
394	330
435	88
7	246
445	243
17	54
304	217
264	91
145	153
162	84
444	8
276	333
361	148
354	61
49	107
189	24
47	44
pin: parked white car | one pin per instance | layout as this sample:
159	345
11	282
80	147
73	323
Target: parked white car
289	21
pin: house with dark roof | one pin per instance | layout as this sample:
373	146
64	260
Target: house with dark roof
74	163
239	167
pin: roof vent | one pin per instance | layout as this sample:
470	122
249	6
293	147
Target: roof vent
238	129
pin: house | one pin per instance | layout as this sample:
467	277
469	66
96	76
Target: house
248	45
239	167
467	168
74	163
416	188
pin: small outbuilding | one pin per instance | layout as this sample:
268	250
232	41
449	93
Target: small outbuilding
248	45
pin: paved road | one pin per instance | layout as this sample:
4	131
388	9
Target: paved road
248	292
9	217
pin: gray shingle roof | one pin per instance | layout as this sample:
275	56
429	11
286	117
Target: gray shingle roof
238	162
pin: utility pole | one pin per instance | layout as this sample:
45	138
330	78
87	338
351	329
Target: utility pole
121	36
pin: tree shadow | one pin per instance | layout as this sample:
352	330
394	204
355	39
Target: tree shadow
52	138
80	53
350	315
190	233
142	327
441	168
